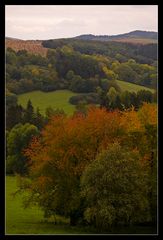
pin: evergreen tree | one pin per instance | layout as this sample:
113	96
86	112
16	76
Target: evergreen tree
29	113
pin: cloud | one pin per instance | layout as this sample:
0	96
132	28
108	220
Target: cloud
56	21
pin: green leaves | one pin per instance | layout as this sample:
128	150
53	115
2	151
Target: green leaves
115	186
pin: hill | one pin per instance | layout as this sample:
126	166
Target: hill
141	37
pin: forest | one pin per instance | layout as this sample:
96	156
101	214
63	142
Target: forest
98	166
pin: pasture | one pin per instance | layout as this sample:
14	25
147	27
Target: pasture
56	99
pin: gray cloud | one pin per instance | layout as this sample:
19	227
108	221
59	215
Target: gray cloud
56	21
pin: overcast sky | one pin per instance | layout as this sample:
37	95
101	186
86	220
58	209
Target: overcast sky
46	22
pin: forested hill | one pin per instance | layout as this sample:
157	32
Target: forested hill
150	37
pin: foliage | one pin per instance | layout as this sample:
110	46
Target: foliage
90	98
57	160
67	146
124	100
116	189
18	138
141	53
68	67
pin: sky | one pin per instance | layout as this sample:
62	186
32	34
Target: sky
62	21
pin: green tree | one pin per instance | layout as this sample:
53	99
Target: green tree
14	115
115	187
49	112
18	139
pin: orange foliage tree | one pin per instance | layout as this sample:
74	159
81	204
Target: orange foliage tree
67	145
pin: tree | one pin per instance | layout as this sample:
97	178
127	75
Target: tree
18	139
11	99
14	115
81	108
148	117
115	187
141	133
112	95
29	113
126	73
67	145
38	119
144	96
59	156
50	112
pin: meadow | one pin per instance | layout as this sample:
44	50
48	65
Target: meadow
31	220
56	99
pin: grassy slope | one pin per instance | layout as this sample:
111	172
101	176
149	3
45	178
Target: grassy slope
30	220
56	99
131	87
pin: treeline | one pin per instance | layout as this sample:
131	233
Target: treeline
66	68
113	99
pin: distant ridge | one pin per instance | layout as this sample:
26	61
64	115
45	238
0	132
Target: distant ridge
134	34
36	46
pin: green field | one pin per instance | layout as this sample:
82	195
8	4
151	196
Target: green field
131	87
56	99
60	98
31	221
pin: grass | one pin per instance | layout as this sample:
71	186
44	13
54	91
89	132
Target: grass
31	221
131	87
56	99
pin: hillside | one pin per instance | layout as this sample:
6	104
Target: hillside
77	65
32	46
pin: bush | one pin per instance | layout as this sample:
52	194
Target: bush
90	98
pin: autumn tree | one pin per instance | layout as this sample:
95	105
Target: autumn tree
59	157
